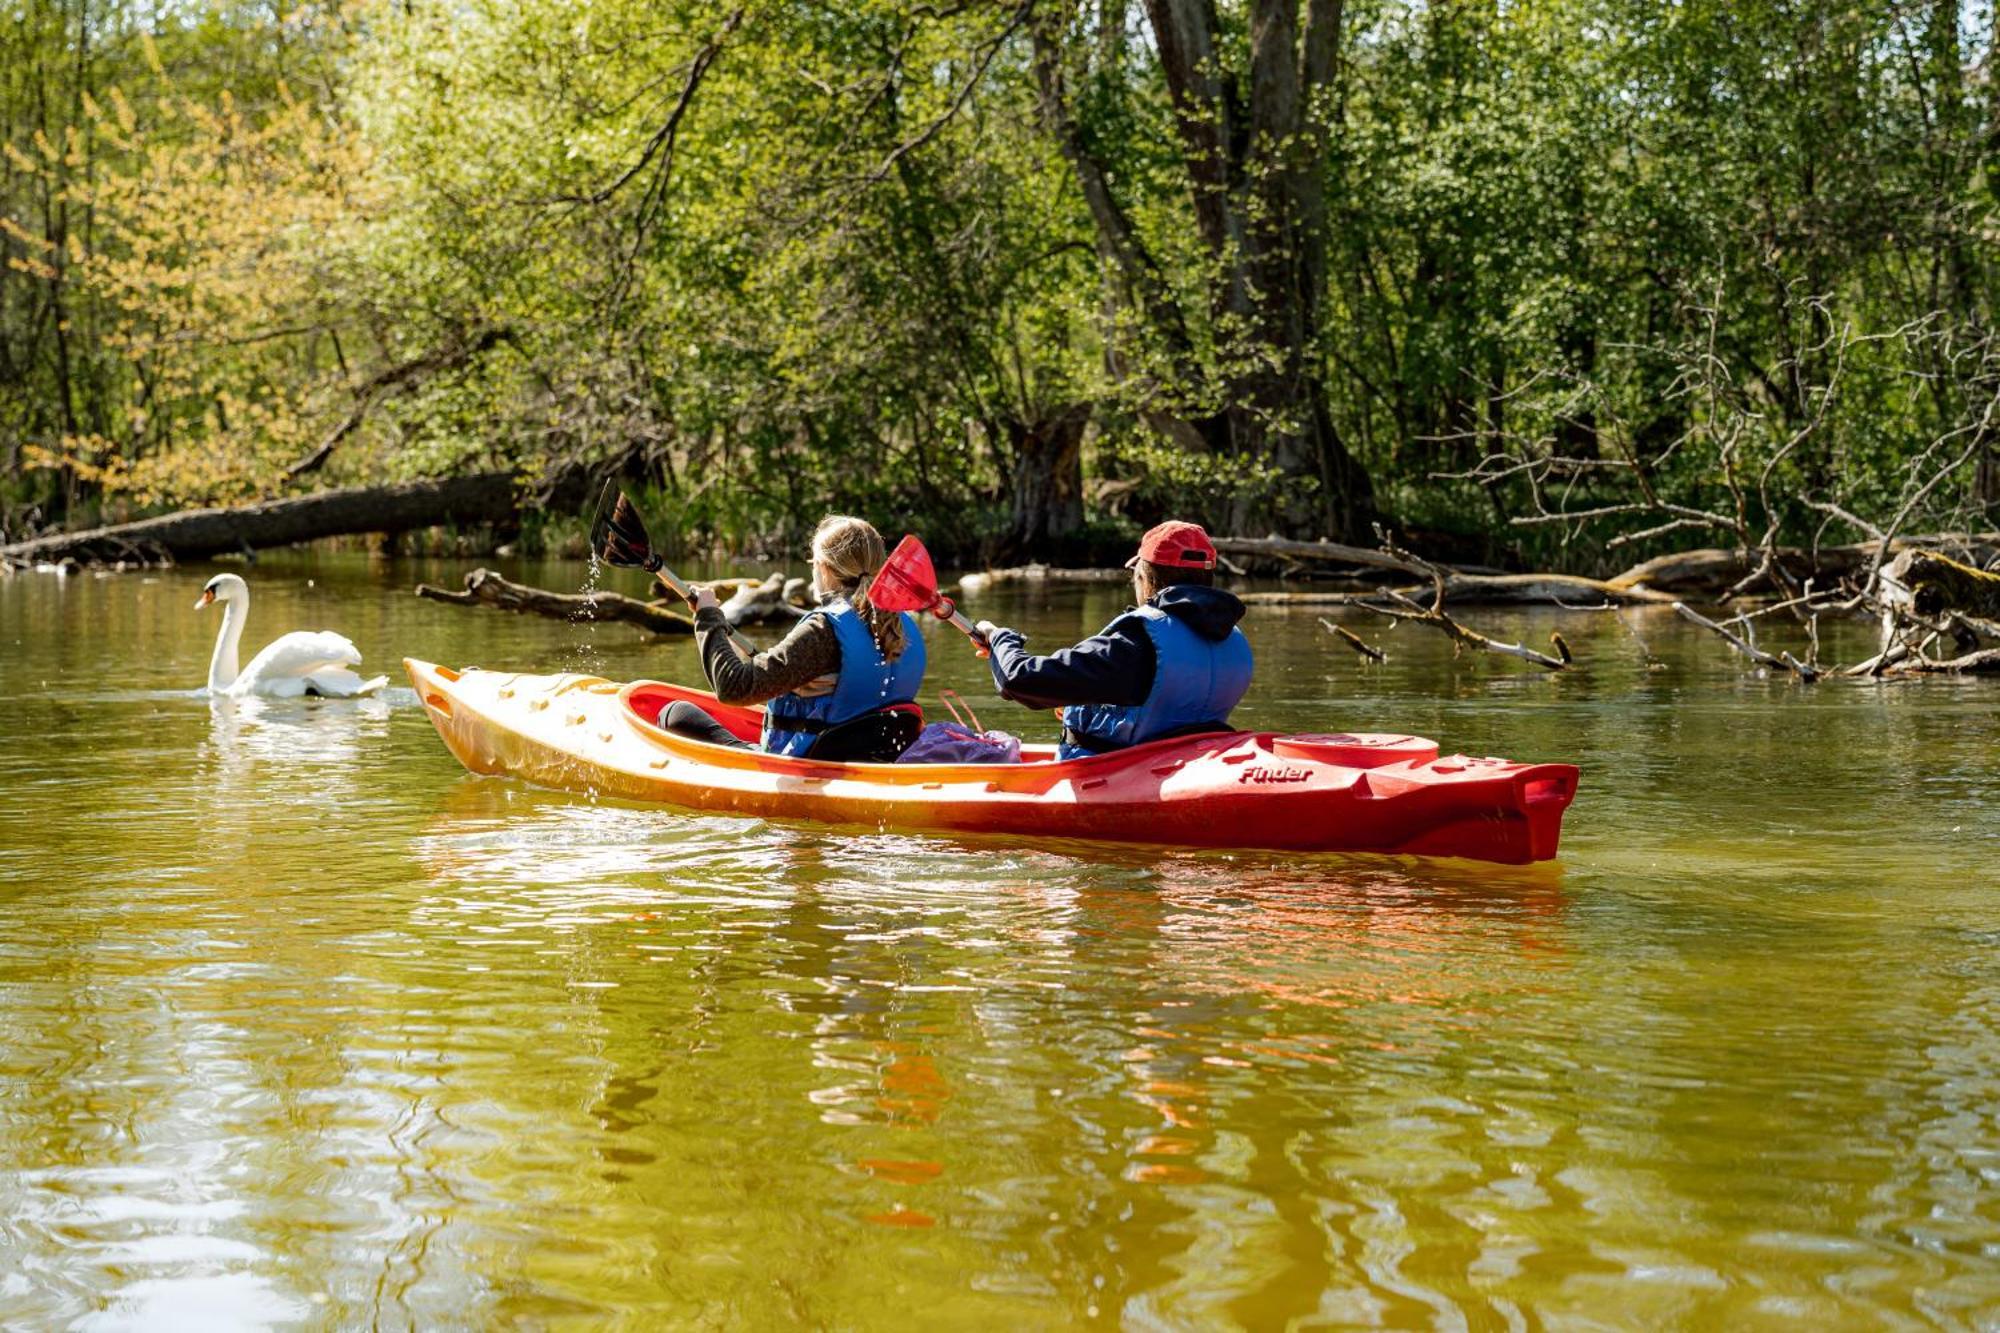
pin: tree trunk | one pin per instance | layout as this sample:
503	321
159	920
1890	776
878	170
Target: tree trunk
1576	342
1252	150
1283	419
1047	499
1255	171
490	497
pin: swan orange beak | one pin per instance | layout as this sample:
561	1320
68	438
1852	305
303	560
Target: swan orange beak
207	596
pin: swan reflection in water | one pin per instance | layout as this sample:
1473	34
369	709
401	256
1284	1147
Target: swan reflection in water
327	738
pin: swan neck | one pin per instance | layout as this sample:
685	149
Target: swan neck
222	668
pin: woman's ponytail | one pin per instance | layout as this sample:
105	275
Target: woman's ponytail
853	551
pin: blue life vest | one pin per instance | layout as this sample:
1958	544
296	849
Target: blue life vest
867	681
1195	680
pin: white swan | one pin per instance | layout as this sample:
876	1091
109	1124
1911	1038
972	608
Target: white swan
302	662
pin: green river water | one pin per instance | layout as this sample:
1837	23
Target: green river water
302	1026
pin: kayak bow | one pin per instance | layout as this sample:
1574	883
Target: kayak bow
1352	792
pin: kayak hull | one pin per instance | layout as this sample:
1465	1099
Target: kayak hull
1224	790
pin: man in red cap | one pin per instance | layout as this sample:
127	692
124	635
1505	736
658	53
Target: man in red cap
1172	665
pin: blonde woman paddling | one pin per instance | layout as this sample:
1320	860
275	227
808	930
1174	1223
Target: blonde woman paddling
874	659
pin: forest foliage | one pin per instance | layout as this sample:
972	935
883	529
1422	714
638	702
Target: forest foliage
1610	275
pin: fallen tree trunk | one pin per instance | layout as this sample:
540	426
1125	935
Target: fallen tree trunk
973	584
1556	589
1559	588
487	497
1336	552
1553	588
1711	569
1661	580
1937	584
1461	585
483	587
756	601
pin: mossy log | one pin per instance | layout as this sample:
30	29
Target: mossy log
1713	569
1938	585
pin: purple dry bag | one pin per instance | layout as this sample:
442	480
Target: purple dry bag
961	741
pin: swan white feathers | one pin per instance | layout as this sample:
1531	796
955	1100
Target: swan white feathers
300	663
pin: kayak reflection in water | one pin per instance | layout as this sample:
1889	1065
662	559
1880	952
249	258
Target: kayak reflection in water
1174	664
842	685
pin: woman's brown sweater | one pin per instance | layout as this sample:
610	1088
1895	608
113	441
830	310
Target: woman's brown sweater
810	651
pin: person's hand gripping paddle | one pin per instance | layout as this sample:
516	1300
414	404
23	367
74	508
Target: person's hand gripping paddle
907	581
620	538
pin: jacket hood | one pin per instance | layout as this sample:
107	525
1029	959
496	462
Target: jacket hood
1209	612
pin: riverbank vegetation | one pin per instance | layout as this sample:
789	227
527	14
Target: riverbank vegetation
1567	283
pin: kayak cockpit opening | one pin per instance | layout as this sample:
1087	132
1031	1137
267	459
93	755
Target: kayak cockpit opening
648	699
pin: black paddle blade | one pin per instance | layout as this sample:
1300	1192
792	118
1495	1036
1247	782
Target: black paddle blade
600	518
621	538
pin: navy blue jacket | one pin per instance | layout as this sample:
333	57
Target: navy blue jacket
1114	665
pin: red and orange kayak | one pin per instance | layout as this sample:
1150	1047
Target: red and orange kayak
1348	793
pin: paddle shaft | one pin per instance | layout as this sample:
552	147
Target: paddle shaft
680	586
964	626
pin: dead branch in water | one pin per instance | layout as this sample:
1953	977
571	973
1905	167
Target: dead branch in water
1986	662
483	587
1410	610
1653	663
1355	641
1780	662
746	601
1660	581
1878	664
1908	634
1401	606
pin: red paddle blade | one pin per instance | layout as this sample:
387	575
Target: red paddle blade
907	580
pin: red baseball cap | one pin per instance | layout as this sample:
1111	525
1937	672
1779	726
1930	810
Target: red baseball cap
1176	545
